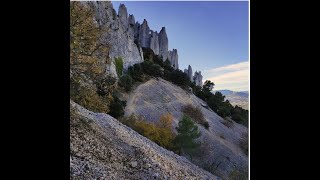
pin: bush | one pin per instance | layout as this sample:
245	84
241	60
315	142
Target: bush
196	114
119	66
160	133
117	107
136	72
151	69
126	82
187	133
88	97
179	78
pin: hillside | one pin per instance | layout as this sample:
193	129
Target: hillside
221	143
103	148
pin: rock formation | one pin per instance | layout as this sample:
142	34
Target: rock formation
119	34
144	36
158	42
123	15
197	78
163	44
154	42
173	58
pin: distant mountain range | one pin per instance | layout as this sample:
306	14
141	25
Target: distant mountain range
240	98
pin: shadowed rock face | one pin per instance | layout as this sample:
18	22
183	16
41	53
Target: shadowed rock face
173	58
155	98
103	148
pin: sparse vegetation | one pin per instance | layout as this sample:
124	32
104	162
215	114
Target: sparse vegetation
126	81
88	97
238	175
87	53
118	62
244	144
160	133
196	114
117	107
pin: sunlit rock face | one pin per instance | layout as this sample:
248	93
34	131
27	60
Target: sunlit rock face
120	32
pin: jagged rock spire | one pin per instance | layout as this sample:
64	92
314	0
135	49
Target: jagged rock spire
163	43
123	15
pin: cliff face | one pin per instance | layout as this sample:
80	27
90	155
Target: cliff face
120	34
158	42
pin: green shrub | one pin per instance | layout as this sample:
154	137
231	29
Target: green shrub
196	114
179	78
119	66
187	133
117	107
136	72
126	82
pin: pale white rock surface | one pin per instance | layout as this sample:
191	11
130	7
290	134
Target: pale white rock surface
103	148
163	43
221	143
118	35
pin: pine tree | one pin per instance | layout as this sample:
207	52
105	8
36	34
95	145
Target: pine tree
187	133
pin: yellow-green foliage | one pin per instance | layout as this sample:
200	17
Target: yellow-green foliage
88	97
160	133
119	65
85	41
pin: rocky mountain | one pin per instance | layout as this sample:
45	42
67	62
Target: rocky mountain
157	97
237	98
103	148
127	37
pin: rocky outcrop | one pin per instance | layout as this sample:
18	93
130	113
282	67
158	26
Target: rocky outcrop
119	34
131	20
220	143
173	58
144	36
103	148
197	78
189	73
163	44
123	15
154	42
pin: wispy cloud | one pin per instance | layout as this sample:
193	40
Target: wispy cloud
233	77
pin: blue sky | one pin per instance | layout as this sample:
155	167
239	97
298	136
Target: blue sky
210	36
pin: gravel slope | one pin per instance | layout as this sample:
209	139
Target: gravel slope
103	148
221	148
